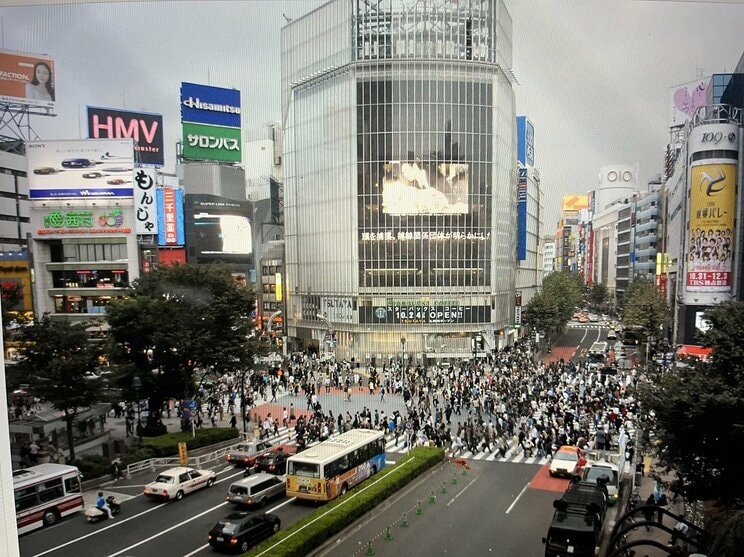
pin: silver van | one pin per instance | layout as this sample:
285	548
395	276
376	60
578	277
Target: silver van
257	489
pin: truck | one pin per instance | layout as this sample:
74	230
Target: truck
576	528
596	355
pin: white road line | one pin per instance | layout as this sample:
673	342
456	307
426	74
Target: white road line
463	491
139	543
517	499
116	523
206	545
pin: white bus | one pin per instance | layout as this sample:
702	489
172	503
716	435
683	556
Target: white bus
329	469
44	494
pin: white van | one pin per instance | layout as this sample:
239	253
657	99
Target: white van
257	489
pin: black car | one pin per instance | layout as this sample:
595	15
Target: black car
273	463
239	531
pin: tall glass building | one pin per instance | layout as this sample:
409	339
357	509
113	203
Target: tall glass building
400	178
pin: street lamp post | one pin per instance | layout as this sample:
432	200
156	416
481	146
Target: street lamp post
137	385
242	399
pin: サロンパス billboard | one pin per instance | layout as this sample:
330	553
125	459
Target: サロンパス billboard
712	217
27	79
211	123
211	143
82	168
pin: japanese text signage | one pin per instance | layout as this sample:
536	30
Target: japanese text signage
108	221
145	129
712	216
170	217
424	312
211	123
145	202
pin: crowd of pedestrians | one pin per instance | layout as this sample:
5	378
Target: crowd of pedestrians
510	403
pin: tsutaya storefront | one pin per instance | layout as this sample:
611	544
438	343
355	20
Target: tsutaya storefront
84	231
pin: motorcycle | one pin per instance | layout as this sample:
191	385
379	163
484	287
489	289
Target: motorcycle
94	514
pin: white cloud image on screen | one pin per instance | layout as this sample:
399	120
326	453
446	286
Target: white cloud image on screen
416	188
224	234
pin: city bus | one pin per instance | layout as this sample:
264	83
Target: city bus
45	493
331	468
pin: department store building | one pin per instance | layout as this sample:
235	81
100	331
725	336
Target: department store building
400	179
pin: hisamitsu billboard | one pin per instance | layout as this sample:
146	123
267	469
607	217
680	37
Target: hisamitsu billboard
214	106
144	128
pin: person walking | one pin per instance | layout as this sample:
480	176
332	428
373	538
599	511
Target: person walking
650	510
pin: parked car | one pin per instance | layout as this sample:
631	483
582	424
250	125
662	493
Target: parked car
567	462
272	463
244	454
239	531
256	489
179	481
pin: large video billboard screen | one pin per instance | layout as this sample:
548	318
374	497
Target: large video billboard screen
27	79
83	168
218	229
712	218
144	128
425	188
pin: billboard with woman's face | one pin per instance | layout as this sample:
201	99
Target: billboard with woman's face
27	79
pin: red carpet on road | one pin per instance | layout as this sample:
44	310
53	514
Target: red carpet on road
545	482
565	352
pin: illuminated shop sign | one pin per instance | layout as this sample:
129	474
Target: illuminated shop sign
423	312
84	222
423	235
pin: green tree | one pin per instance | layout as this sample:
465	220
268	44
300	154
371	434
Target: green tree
56	356
598	295
644	306
177	321
699	412
552	308
730	537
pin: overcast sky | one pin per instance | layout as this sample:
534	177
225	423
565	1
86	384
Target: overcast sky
594	75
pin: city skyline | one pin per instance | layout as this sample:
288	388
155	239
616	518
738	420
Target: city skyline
602	97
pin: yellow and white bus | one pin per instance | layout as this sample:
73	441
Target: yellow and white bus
331	468
45	493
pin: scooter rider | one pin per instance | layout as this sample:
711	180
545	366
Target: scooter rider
102	505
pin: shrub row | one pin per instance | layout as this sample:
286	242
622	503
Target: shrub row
337	515
93	466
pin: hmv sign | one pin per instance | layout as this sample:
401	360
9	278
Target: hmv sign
144	128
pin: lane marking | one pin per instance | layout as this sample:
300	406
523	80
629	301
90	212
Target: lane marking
464	489
120	522
206	545
139	543
517	499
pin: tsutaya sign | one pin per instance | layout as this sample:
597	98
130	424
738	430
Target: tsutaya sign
338	310
84	222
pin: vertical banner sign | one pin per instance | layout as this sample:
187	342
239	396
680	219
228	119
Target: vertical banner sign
522	215
170	217
145	202
169	209
517	307
183	454
712	213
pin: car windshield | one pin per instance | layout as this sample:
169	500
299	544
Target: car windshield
566	455
242	448
165	479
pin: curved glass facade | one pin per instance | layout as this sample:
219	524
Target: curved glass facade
400	173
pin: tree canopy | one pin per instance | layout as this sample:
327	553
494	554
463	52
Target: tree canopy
698	412
177	321
550	309
645	306
56	356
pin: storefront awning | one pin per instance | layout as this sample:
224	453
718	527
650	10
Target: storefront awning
691	351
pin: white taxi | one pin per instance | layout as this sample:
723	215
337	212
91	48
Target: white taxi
177	482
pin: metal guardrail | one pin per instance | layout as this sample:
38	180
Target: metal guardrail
151	464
